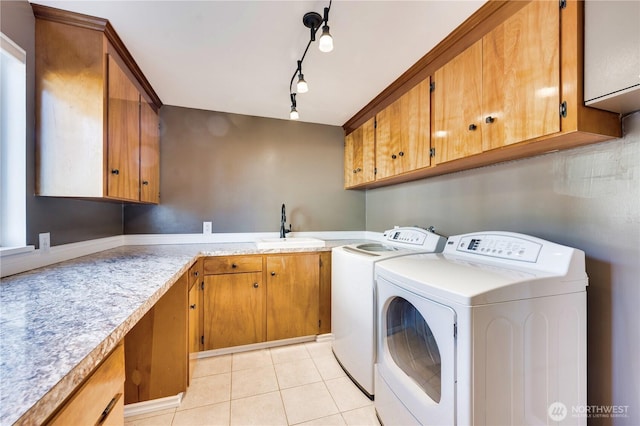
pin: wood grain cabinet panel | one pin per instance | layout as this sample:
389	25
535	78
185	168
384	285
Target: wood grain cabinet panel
359	155
521	76
149	154
293	289
123	140
100	399
96	114
457	106
403	136
233	310
156	348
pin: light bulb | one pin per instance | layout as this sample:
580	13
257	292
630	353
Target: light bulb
325	44
302	86
293	115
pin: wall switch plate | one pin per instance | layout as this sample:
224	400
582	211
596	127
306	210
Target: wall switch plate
44	241
206	227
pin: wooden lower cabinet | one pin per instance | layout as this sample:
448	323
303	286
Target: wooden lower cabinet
156	349
293	289
100	399
233	310
258	298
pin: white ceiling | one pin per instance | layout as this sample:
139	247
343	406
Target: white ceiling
239	56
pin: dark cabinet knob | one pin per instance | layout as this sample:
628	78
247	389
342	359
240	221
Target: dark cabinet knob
358	169
115	171
393	156
273	274
145	182
355	171
472	127
234	266
489	120
401	154
192	306
196	273
255	285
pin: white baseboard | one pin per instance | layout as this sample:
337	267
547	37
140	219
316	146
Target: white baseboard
159	404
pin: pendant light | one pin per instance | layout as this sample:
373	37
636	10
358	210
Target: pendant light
313	21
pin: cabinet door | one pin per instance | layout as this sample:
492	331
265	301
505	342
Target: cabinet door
149	154
123	138
359	155
457	106
233	310
403	133
194	319
292	295
521	76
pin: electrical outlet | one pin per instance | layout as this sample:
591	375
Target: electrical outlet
45	241
206	227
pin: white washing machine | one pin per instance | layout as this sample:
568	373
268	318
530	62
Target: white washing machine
492	331
352	296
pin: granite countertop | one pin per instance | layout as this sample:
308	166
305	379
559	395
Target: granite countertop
59	322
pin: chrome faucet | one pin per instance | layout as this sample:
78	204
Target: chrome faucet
283	220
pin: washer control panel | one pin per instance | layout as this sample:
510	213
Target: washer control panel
415	238
407	236
500	246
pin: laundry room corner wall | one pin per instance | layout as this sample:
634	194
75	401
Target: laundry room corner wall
588	198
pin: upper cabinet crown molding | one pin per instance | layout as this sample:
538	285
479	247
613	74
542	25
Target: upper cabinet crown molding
104	26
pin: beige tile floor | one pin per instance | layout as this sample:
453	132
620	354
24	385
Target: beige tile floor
290	385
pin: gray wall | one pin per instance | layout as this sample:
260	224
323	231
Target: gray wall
67	220
587	198
237	170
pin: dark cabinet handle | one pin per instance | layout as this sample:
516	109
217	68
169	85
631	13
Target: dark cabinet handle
273	274
472	127
489	120
145	182
115	171
393	156
401	154
358	169
196	273
255	285
355	171
192	306
234	266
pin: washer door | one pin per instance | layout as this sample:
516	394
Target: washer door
416	350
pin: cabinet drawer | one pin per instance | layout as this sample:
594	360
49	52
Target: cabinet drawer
232	264
100	399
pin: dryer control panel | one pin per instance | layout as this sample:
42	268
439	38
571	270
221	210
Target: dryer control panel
500	246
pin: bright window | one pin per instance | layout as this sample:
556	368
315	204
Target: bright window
13	111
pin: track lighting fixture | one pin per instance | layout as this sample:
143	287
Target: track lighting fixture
313	21
293	114
301	86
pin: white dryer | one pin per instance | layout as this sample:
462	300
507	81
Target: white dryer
491	331
352	296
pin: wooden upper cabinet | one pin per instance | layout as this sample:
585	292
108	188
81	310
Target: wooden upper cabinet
92	140
123	140
521	76
359	155
149	154
508	85
457	106
403	133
